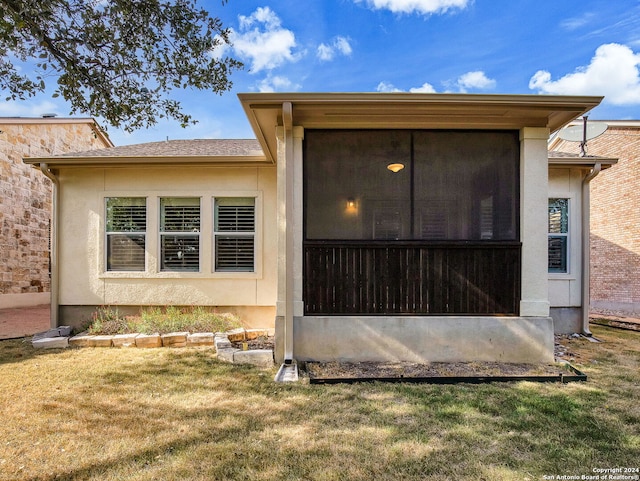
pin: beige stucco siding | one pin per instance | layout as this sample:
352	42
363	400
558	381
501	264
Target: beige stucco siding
83	277
565	288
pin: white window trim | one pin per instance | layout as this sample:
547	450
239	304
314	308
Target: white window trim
251	234
102	244
572	236
207	258
161	233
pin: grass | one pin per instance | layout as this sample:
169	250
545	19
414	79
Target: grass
178	414
107	320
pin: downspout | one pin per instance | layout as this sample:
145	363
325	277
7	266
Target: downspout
586	246
55	201
287	121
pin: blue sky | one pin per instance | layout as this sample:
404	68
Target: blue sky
567	47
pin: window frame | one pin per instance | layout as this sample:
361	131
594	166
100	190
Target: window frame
178	233
107	233
566	235
207	259
236	233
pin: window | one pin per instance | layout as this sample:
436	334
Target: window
180	234
126	228
558	235
234	233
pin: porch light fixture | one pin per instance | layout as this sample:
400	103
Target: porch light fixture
395	168
351	203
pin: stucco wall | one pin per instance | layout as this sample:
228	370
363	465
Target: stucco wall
615	218
83	277
25	202
565	289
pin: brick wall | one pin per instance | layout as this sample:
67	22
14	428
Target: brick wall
25	196
615	218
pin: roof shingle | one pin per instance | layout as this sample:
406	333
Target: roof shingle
178	148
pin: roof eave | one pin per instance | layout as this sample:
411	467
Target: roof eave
583	162
128	161
409	111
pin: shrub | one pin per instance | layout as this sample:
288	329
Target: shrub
162	320
107	321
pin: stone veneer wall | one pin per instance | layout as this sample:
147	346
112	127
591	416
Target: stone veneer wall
25	198
615	219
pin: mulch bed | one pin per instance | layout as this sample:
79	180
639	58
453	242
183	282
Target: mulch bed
258	343
407	369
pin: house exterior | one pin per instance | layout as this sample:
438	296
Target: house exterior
615	217
25	200
365	226
137	228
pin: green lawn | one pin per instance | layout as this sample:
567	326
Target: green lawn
179	414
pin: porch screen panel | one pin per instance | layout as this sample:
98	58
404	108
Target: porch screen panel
465	185
349	192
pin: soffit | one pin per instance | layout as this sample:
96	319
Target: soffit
409	111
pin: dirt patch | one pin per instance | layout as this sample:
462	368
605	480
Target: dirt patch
381	370
257	343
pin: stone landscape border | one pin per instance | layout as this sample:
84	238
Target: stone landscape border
60	338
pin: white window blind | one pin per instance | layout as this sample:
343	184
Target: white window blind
180	234
126	226
558	235
234	234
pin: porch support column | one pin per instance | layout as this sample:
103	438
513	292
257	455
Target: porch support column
534	188
289	193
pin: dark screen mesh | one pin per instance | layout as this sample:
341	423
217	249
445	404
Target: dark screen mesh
455	185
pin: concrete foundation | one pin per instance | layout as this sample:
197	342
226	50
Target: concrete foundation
250	316
566	320
420	339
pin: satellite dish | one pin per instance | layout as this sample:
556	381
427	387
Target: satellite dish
579	133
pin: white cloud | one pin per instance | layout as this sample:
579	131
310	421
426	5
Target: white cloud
575	23
277	83
475	80
416	6
613	72
29	109
263	41
426	88
339	45
387	87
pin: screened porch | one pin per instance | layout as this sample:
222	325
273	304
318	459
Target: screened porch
422	222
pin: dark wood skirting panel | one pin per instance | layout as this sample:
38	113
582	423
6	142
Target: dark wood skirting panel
407	278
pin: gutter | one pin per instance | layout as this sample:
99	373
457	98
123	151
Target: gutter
586	246
44	167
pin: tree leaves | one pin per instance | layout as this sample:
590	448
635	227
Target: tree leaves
118	60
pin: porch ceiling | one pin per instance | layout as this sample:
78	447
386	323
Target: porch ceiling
408	111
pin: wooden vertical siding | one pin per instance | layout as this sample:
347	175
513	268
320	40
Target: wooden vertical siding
408	278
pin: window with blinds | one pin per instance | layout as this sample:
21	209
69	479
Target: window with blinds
558	235
126	227
180	234
234	234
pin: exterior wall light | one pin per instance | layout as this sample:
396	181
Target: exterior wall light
352	207
395	167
